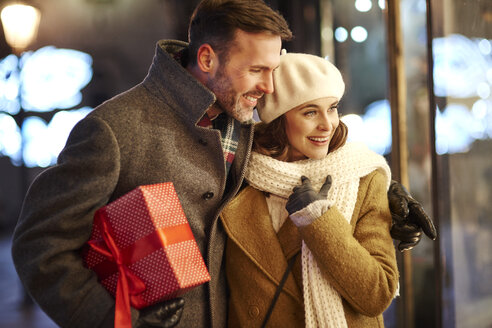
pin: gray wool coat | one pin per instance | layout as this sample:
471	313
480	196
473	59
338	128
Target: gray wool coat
145	135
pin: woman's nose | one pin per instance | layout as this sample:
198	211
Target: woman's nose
324	123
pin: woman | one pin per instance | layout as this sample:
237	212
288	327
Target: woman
346	274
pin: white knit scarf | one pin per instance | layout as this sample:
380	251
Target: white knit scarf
322	303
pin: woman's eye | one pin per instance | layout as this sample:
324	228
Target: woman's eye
333	108
310	113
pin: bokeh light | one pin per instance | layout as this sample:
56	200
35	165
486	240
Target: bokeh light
42	81
341	34
359	34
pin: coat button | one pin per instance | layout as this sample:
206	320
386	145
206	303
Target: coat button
203	142
254	312
208	195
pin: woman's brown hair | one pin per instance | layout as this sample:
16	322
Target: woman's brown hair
271	140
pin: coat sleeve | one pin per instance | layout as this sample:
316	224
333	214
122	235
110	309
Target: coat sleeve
56	221
360	264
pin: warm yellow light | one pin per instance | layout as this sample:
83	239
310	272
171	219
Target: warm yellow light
20	24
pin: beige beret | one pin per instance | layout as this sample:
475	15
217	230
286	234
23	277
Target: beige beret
298	79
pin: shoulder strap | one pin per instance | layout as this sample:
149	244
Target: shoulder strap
279	289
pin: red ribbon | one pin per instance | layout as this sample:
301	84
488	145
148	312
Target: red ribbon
129	286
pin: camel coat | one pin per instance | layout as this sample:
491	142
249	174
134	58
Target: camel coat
146	135
358	259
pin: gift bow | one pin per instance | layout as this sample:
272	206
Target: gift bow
130	285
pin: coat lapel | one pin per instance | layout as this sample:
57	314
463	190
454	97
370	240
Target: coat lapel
248	224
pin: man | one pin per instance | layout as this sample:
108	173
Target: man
188	122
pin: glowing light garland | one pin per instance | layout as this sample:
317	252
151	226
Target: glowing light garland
43	81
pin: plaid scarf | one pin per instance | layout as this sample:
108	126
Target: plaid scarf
229	131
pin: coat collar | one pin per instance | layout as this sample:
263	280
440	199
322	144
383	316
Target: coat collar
182	90
248	224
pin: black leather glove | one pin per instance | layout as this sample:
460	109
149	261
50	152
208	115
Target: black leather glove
165	315
409	218
304	194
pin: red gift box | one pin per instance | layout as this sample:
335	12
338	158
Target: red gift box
143	250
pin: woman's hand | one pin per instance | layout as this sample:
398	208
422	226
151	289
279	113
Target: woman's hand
409	218
304	195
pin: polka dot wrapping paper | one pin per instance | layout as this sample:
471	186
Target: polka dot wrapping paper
153	243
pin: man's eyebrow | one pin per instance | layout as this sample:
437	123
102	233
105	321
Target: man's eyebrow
263	67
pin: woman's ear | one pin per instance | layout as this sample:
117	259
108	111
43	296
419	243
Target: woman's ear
206	58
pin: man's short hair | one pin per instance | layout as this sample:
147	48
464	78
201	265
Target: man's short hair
216	21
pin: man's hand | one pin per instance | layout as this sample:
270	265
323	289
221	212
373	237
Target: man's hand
409	218
304	194
165	315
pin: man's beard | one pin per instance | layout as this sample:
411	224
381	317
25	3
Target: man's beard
226	98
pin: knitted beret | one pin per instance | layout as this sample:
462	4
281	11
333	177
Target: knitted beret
298	79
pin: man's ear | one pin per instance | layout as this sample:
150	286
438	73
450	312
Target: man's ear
206	58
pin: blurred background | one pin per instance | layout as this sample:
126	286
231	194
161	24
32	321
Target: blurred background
418	78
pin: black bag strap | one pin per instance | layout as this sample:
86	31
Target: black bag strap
279	289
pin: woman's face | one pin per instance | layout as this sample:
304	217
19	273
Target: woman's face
310	127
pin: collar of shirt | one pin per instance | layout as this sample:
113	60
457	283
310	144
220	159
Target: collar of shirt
229	134
206	121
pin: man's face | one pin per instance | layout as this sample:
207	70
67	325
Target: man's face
247	74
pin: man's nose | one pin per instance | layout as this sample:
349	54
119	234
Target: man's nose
266	84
